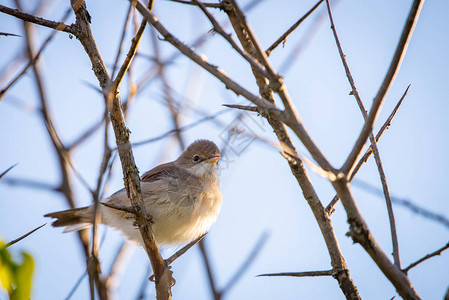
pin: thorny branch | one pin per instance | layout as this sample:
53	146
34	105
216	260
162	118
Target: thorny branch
23	236
369	151
394	236
430	255
283	37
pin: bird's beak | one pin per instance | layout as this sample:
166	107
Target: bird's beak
214	159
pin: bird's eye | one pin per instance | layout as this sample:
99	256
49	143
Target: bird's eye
196	158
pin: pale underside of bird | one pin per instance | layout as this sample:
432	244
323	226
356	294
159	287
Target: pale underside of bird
182	197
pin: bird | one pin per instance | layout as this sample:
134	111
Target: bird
183	198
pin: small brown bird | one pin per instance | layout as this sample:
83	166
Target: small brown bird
183	198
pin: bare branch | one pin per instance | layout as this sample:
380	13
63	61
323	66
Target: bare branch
246	264
430	255
290	116
60	26
388	80
368	152
31	184
122	39
32	60
76	285
212	5
8	34
243	107
414	208
394	236
164	278
360	233
131	52
216	294
7	170
183	250
24	236
283	37
296	166
218	29
235	87
300	274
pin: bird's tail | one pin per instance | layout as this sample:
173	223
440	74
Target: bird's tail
73	219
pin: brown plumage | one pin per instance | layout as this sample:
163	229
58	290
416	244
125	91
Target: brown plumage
183	198
69	217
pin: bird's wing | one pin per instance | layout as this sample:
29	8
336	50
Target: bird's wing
160	171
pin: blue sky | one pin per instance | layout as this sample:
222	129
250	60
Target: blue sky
260	195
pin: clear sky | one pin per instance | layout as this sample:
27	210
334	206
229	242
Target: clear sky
260	195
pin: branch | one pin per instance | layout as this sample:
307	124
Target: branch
60	26
364	158
246	264
131	52
300	274
212	5
394	236
218	29
164	278
187	51
32	60
338	263
421	211
24	236
360	233
283	37
183	250
435	253
290	116
388	80
216	294
122	39
7	170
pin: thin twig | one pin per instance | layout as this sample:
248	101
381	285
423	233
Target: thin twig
342	274
388	80
164	279
414	208
174	112
23	236
29	183
243	107
300	274
183	250
75	286
307	36
122	39
231	84
32	60
364	158
394	236
181	129
131	52
145	79
290	115
210	275
246	264
60	26
218	29
84	136
120	261
430	255
7	170
212	5
283	37
128	209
